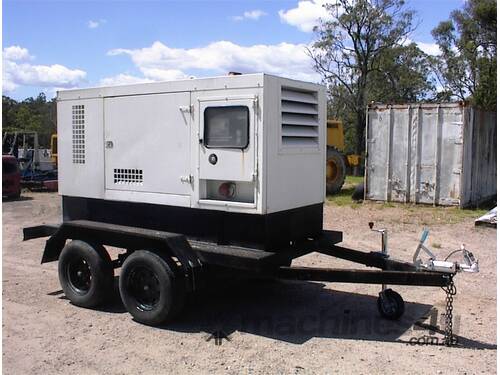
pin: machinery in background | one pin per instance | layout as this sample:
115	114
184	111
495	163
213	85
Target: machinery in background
337	163
53	149
37	169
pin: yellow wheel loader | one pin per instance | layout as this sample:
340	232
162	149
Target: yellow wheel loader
336	161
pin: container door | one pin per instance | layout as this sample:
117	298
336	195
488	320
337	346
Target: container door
227	149
427	152
449	156
399	172
147	143
439	155
377	149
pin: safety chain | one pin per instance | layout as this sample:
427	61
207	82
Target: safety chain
450	291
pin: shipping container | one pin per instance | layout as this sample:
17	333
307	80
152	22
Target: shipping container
440	154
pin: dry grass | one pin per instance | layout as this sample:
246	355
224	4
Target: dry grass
409	213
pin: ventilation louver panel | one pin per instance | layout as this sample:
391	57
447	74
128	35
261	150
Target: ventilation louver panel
299	118
127	176
78	137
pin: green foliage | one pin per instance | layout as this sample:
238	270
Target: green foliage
363	56
467	64
32	114
363	42
404	75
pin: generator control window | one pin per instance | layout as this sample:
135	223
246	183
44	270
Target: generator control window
226	127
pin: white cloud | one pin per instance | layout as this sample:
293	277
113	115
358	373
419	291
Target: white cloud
158	74
306	15
162	62
122	79
91	24
18	71
16	53
150	75
251	15
429	48
7	84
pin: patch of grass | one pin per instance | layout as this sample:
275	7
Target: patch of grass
436	245
352	180
429	215
383	205
453	215
343	198
410	213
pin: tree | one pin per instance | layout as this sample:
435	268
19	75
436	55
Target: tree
32	114
8	111
404	75
467	64
350	46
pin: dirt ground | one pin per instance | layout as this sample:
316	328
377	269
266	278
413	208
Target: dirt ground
271	326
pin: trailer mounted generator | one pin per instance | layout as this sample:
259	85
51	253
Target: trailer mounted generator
198	178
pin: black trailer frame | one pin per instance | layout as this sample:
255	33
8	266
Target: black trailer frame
195	255
185	262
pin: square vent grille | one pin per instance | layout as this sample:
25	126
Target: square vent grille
127	176
299	118
78	125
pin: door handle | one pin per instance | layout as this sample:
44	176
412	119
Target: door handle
109	144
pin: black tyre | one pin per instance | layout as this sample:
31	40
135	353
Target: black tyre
335	170
150	290
359	192
85	273
390	304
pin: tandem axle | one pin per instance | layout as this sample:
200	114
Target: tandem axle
160	268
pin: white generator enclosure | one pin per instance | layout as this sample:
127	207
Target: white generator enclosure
189	156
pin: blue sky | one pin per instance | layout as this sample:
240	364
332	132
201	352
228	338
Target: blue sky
49	45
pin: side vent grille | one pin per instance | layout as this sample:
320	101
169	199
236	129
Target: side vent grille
127	176
78	125
299	118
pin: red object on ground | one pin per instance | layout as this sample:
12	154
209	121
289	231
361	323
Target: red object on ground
50	185
11	177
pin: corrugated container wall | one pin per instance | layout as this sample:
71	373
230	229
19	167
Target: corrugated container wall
441	154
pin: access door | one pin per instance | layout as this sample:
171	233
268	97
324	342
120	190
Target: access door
147	143
227	149
226	139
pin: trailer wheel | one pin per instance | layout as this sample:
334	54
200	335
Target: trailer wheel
85	273
390	304
149	289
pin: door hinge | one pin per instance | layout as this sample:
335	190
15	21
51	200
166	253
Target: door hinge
189	179
186	108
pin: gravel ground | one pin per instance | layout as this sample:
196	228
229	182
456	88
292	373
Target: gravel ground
271	326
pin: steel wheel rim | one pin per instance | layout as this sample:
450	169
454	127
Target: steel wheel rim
144	287
331	170
79	275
